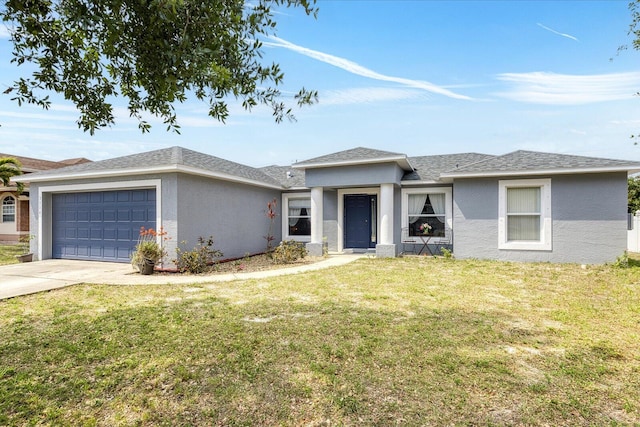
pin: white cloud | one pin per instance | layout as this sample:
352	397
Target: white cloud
359	70
569	36
565	89
366	95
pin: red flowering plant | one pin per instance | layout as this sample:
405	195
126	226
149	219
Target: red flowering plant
271	214
149	248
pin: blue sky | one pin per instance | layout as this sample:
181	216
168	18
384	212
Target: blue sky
416	77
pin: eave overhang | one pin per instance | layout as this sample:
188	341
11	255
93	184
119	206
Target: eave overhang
175	168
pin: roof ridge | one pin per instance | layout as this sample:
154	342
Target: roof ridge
492	157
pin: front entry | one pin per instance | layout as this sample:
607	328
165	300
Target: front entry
360	221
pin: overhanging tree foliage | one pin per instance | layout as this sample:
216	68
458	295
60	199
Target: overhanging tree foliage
152	53
633	202
10	167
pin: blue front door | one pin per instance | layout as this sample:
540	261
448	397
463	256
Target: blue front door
359	221
100	225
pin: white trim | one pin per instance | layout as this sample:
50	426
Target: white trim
545	243
341	193
402	161
627	169
146	171
448	211
285	216
97	186
3	197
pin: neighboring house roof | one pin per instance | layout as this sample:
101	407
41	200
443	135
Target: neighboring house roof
173	159
536	163
354	156
30	164
429	168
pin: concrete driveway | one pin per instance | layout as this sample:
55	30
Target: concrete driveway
31	277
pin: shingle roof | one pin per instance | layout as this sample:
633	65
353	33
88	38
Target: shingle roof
355	155
285	175
429	168
166	157
30	164
522	162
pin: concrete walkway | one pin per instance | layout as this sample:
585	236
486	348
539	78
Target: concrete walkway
28	278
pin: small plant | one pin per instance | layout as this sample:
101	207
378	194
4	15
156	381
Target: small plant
446	253
271	215
198	259
288	251
25	243
148	250
622	261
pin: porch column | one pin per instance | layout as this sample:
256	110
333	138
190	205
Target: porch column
385	247
315	246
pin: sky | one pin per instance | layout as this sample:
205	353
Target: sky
413	77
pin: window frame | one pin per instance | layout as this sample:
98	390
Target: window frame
285	216
545	242
3	206
448	210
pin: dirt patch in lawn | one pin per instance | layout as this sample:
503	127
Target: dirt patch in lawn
250	264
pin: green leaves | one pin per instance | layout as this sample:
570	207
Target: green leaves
153	54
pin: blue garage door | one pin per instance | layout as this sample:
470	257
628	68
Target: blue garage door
100	225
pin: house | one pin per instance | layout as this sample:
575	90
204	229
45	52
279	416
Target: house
521	206
14	218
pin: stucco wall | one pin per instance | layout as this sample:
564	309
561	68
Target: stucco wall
356	175
233	213
330	218
588	219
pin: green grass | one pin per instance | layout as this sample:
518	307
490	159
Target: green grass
8	253
409	341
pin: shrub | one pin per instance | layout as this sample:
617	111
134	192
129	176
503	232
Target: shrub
288	251
198	259
148	250
446	253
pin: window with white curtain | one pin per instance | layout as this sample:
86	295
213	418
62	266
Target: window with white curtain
525	214
9	209
426	214
297	217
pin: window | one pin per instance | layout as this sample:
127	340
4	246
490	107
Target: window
426	211
9	209
525	214
430	206
297	222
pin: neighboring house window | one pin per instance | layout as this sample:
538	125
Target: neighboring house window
9	209
297	221
525	214
430	206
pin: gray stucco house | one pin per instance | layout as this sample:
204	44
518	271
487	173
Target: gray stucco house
522	206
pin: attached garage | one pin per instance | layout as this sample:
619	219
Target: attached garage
100	225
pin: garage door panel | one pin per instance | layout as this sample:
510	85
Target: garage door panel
96	216
109	215
83	215
139	214
109	234
100	225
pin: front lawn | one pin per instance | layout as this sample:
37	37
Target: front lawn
8	253
408	341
